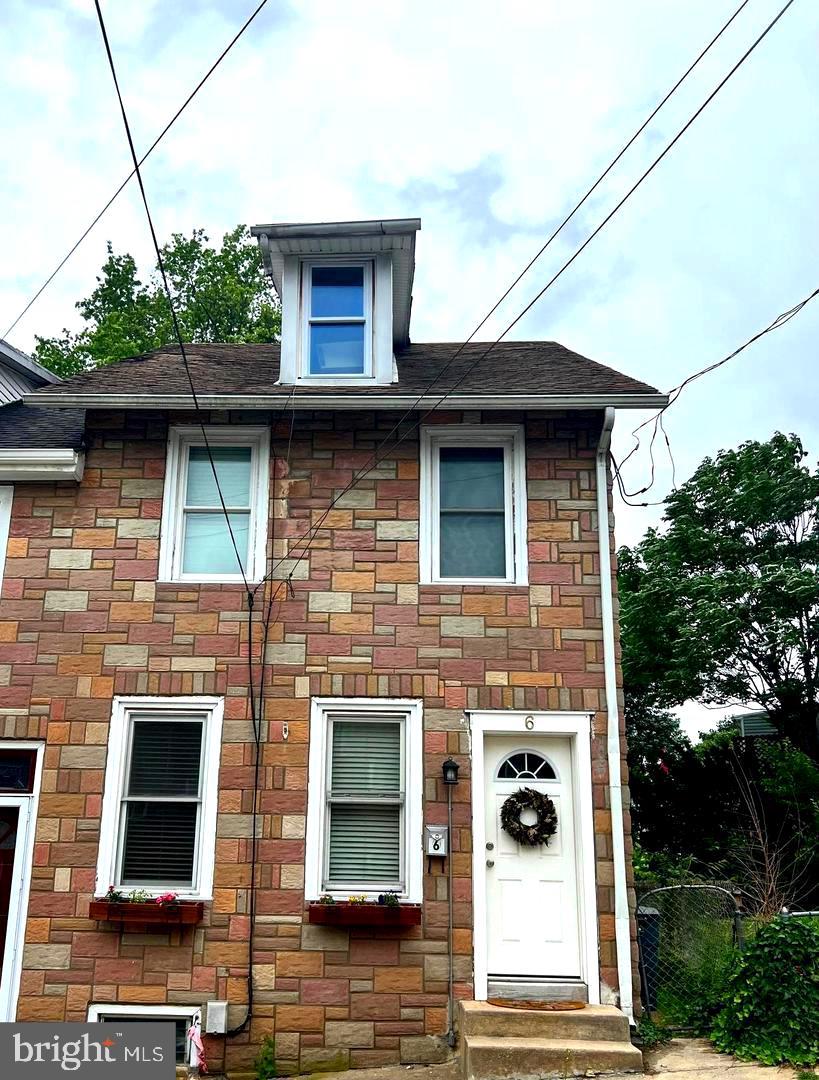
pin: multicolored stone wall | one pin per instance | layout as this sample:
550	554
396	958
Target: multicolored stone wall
83	618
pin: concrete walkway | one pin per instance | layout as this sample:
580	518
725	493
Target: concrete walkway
696	1059
683	1059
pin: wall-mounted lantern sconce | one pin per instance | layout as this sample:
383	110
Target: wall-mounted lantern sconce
450	770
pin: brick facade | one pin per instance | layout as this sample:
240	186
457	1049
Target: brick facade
83	619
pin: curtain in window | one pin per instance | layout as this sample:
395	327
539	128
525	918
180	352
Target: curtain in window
161	803
472	512
366	805
207	547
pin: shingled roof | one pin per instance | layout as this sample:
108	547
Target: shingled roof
540	373
29	427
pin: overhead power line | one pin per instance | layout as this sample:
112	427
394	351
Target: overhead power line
141	161
377	455
656	421
161	265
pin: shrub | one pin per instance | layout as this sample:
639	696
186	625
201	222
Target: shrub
265	1064
771	1006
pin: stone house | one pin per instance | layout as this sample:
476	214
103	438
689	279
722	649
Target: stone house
258	717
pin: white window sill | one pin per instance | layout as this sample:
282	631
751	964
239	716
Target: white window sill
152	894
207	581
505	582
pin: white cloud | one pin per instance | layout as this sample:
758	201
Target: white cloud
486	120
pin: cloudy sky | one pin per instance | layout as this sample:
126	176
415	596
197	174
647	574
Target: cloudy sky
487	120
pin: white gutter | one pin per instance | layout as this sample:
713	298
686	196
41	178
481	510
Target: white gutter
622	921
365	400
45	464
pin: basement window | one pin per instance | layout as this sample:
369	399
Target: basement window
183	1018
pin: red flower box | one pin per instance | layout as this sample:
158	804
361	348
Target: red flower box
182	912
345	914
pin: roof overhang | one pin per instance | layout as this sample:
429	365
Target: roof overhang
395	236
363	400
23	364
43	464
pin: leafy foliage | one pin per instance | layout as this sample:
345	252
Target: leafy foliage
723	605
265	1063
771	1012
218	294
651	1034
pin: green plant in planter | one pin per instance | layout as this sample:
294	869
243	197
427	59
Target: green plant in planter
388	899
265	1063
326	899
771	1004
357	899
114	896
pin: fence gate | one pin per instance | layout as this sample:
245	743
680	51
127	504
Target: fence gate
687	936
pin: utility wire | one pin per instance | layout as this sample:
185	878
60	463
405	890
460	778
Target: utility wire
161	265
141	161
656	421
555	233
377	458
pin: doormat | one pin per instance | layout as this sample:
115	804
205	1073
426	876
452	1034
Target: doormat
540	1006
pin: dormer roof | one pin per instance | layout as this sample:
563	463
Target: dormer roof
395	236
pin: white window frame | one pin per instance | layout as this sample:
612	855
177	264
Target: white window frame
308	320
211	710
115	1011
6	499
180	440
295	341
323	711
511	439
28	803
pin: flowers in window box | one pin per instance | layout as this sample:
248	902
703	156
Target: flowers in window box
327	899
166	899
357	900
388	899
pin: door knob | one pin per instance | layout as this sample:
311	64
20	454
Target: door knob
490	863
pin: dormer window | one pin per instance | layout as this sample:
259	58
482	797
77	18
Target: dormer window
346	292
338	302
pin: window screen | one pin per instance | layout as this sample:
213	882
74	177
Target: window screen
162	802
366	805
472	510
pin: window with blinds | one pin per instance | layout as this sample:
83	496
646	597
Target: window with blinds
161	802
365	804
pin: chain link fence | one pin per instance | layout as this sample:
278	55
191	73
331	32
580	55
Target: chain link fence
688	935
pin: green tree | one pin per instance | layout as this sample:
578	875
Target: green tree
722	604
219	294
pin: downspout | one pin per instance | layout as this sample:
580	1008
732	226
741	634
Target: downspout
622	921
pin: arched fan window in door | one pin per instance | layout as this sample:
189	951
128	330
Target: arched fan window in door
526	765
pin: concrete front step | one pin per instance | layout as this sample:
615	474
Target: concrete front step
490	1058
601	1023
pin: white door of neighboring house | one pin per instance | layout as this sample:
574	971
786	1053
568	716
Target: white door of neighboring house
19	783
533	917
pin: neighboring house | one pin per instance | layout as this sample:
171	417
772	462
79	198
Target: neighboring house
452	604
19	374
755	725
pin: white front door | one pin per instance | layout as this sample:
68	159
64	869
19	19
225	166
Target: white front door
533	924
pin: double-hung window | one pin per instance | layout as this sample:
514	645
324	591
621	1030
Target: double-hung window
473	504
201	539
159	806
364	798
338	301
